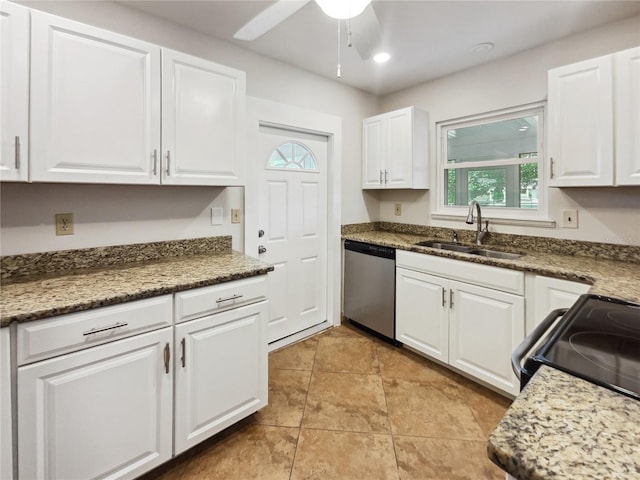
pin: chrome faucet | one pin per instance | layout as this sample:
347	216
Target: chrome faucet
480	233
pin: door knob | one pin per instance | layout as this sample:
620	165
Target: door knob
260	233
262	249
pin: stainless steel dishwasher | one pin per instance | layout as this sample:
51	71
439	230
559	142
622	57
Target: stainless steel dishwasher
370	287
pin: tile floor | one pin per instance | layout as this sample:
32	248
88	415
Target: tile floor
344	405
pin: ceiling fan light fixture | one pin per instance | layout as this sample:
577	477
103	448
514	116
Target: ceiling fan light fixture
381	57
343	9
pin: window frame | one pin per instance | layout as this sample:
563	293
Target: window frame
506	215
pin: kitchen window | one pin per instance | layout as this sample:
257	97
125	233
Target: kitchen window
495	159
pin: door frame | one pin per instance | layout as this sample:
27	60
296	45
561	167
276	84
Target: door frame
281	115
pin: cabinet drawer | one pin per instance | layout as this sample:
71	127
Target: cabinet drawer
49	337
217	298
483	275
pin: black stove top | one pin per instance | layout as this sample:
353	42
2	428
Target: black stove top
598	339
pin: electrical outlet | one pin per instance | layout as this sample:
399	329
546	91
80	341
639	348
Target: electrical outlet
569	219
235	215
64	223
397	209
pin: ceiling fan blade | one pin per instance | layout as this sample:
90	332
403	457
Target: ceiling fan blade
366	33
267	19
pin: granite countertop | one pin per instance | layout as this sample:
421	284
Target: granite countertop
564	428
613	278
43	295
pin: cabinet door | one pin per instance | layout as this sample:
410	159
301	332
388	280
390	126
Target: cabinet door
95	104
422	314
627	120
14	92
485	327
105	411
6	427
221	372
581	123
203	107
373	152
553	293
399	154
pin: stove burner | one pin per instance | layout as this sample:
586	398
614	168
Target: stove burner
616	353
629	321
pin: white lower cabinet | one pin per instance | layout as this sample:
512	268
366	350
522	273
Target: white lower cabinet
470	327
103	412
6	427
485	326
550	294
220	372
422	315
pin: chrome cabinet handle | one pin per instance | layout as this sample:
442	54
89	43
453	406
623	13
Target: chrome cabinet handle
381	177
386	177
17	140
262	249
451	298
155	161
444	296
260	233
93	331
167	357
168	171
233	297
551	170
183	347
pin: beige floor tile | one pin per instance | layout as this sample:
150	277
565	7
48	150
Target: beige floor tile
299	356
487	406
328	455
287	397
345	330
396	362
346	354
422	409
439	459
254	452
346	401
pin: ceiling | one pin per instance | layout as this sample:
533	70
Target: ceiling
427	39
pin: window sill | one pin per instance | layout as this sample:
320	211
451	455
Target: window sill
521	222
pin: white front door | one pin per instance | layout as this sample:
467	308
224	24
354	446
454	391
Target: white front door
293	219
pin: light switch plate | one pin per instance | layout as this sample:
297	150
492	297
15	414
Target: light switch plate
235	215
397	209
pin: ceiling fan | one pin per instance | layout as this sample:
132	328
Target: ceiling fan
358	15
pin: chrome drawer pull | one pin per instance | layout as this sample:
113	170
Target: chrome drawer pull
233	297
444	300
100	330
183	359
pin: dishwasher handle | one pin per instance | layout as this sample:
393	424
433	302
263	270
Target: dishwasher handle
527	344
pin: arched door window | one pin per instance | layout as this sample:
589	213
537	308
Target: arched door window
292	156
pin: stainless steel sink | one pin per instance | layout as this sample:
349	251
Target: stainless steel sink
472	250
455	247
495	254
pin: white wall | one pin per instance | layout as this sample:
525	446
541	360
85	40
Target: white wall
26	215
605	214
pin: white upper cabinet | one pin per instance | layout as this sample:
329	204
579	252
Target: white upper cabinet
95	104
104	110
202	116
14	92
594	117
627	116
395	150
